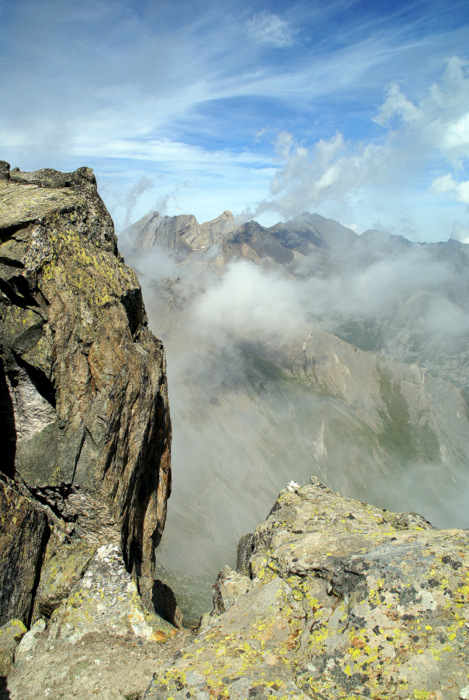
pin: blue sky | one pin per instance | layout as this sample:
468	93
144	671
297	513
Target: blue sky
355	110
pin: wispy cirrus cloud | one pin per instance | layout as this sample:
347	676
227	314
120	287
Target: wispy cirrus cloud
269	28
129	87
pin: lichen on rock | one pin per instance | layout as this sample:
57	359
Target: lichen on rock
11	634
83	393
345	601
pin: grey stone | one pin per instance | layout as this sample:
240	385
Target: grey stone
346	600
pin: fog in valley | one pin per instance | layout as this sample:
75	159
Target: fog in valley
347	360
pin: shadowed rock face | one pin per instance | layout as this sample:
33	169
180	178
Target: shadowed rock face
334	599
23	537
83	393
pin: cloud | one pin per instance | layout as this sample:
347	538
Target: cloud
359	291
249	303
460	232
440	120
271	29
415	138
331	169
396	105
133	194
447	183
456	137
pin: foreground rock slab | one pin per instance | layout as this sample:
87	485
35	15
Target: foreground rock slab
333	599
99	641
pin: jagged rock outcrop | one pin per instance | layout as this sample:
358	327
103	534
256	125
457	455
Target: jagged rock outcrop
85	437
181	234
334	599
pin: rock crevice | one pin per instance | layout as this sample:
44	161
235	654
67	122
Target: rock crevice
83	390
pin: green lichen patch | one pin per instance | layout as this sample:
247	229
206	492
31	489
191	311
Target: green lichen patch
11	634
348	601
22	205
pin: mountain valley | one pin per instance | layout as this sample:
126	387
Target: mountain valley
303	349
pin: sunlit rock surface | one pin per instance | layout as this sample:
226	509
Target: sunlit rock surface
103	612
85	423
335	599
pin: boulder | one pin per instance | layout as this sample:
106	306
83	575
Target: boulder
345	600
11	634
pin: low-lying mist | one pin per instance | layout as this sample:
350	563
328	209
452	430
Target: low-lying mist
277	374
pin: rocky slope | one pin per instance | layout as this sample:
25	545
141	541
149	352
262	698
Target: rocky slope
333	599
85	438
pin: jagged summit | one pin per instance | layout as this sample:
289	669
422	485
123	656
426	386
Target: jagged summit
182	234
285	245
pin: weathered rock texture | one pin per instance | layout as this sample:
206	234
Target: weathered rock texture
23	537
333	599
92	642
83	398
11	634
180	234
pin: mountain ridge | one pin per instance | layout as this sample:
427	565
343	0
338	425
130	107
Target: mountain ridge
348	353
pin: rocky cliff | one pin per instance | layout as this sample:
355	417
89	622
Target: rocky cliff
181	234
85	438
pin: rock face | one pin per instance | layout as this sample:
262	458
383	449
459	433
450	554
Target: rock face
92	642
83	397
23	537
333	599
181	234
